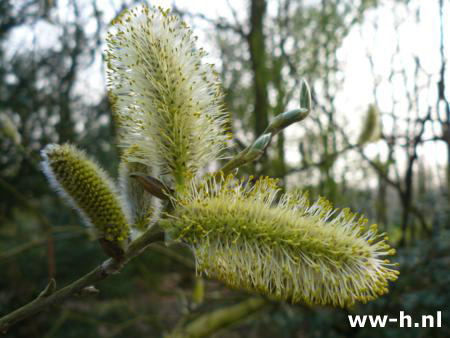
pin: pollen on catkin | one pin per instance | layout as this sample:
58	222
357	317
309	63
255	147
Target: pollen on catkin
88	189
249	237
166	101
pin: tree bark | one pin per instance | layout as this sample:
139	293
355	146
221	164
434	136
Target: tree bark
256	42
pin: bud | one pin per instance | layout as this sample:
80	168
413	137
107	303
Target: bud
9	129
289	250
168	103
89	190
285	119
141	207
371	126
305	96
256	149
198	294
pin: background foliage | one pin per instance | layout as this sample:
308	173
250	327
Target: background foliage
50	61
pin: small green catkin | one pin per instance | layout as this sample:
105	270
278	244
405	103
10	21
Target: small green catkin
288	250
88	189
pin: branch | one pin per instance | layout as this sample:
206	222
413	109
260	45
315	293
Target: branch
373	164
20	248
416	211
321	163
219	24
395	184
109	267
282	121
211	322
43	221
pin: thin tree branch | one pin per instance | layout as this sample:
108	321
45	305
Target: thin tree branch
215	320
219	24
43	222
107	268
307	166
254	151
257	148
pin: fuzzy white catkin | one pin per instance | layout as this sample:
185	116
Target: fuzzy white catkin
167	102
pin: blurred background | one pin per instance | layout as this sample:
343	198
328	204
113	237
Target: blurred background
378	141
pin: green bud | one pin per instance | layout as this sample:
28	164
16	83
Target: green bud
257	148
198	294
286	119
9	129
142	207
371	126
305	95
89	190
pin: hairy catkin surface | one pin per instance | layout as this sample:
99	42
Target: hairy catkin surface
288	250
87	188
166	101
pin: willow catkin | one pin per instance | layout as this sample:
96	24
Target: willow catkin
166	101
88	189
286	249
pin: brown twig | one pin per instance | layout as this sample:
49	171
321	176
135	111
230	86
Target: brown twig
109	267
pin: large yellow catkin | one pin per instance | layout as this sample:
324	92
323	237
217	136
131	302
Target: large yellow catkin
166	101
289	250
88	189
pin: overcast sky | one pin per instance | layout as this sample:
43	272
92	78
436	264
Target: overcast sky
421	40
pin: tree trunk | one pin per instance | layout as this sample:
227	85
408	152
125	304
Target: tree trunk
256	42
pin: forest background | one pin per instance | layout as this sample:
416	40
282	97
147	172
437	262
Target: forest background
377	140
